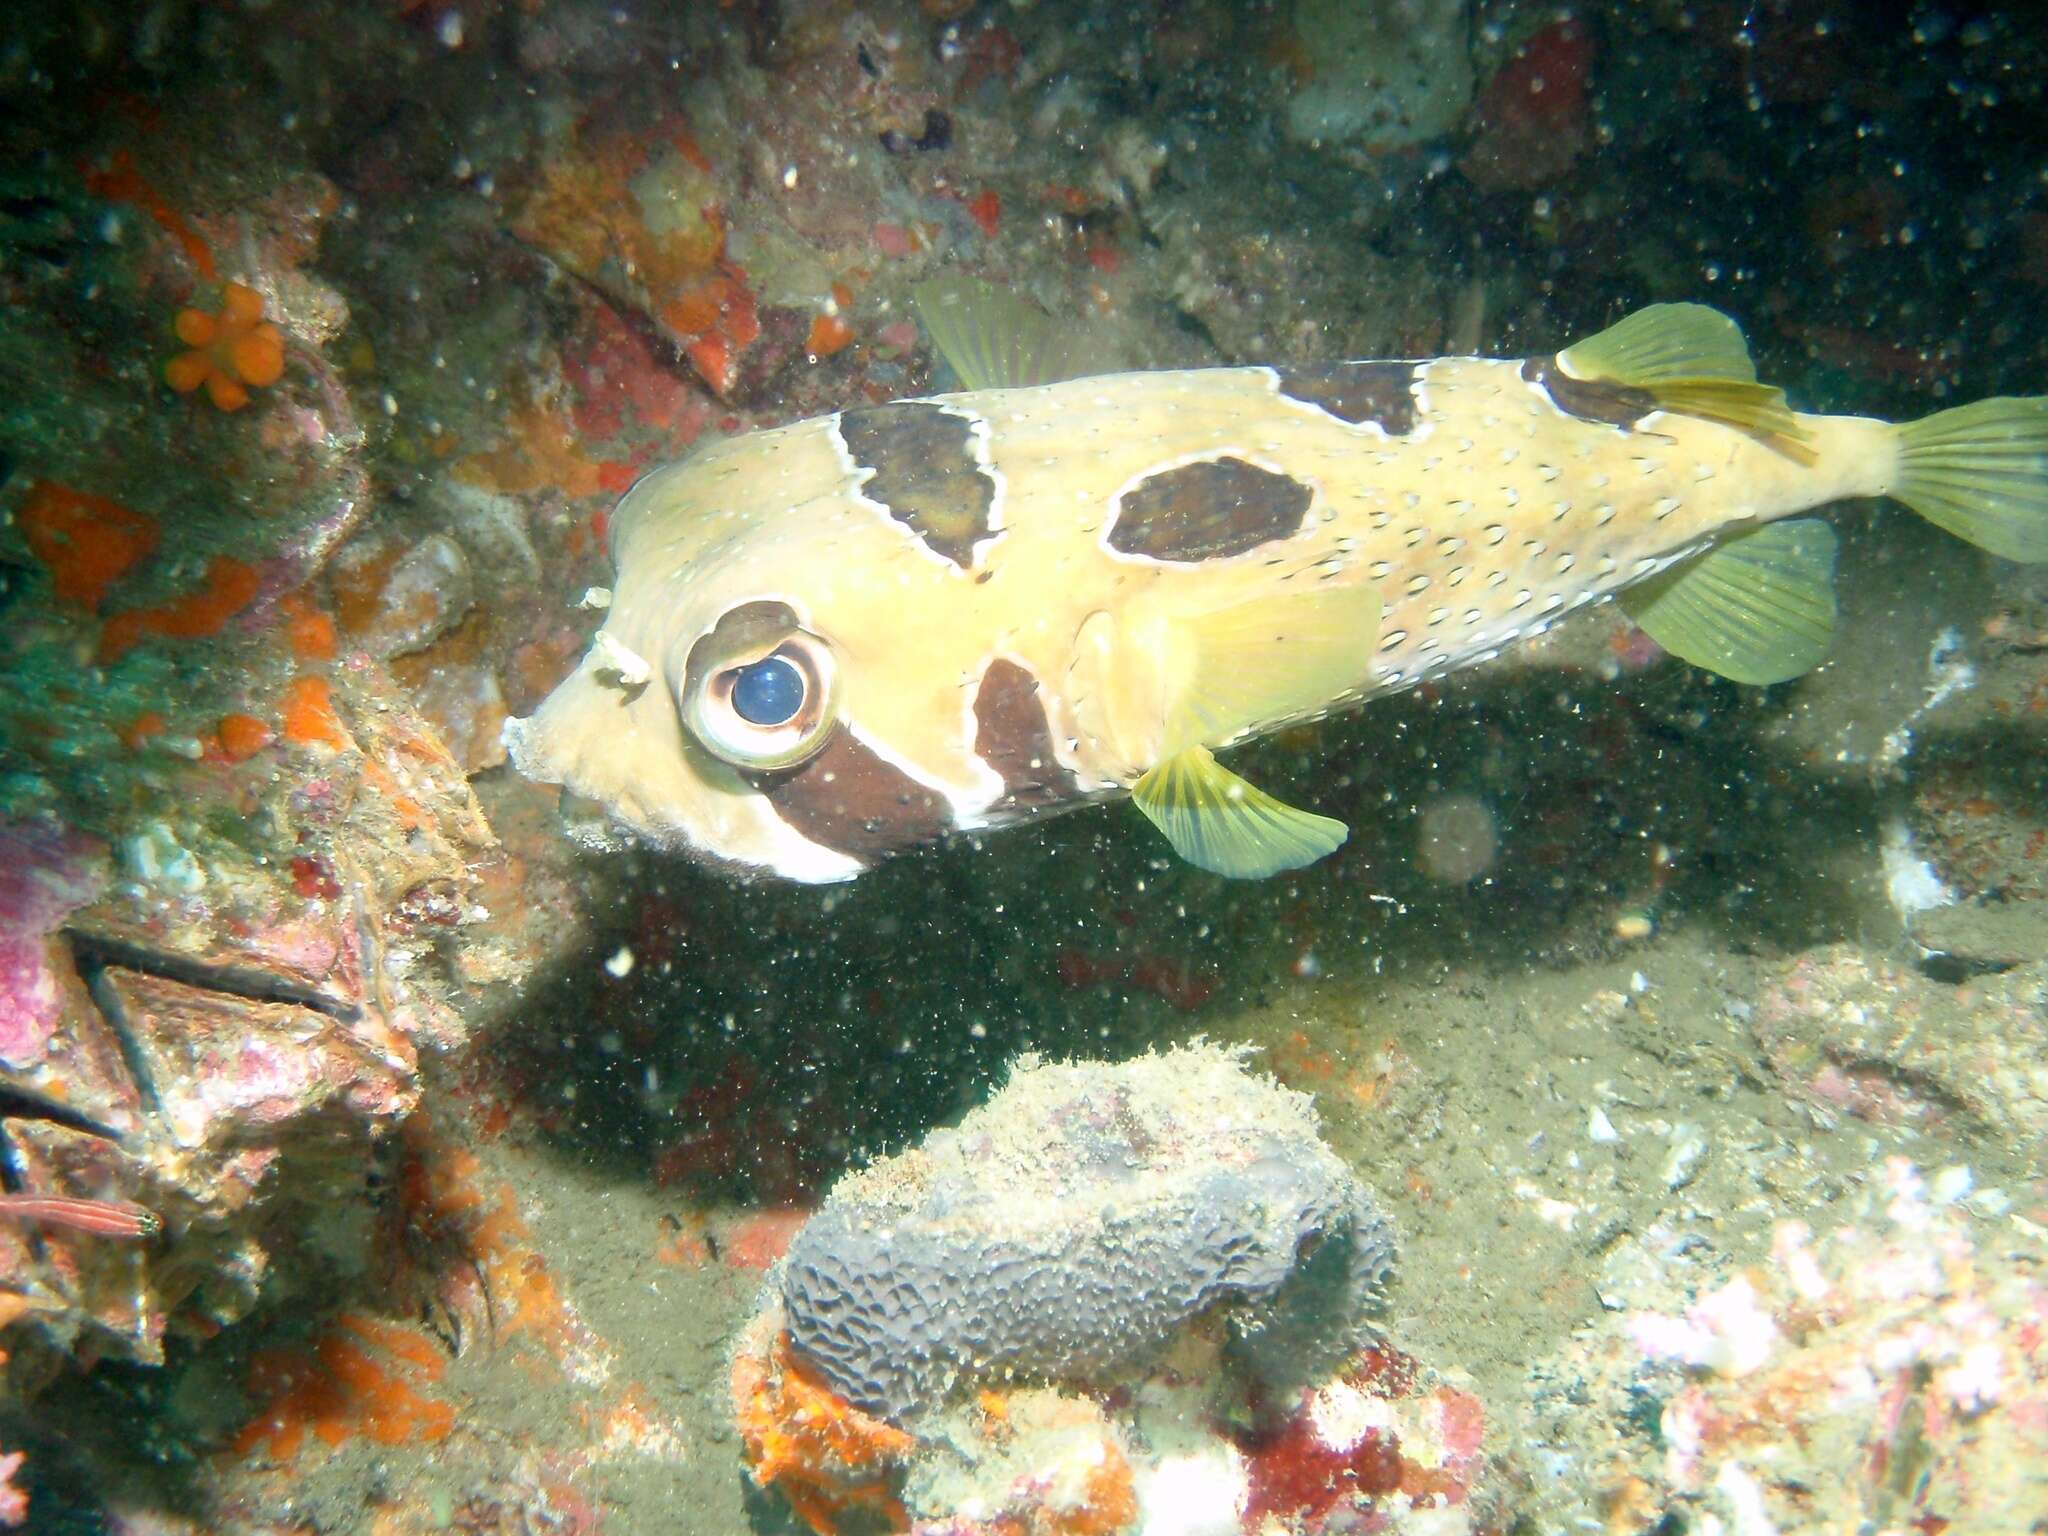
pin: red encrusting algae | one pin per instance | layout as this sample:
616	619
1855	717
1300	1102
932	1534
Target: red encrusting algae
829	334
230	587
241	736
363	1377
309	717
1294	1473
121	182
717	321
987	212
826	1455
88	542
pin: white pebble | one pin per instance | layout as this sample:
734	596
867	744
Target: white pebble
1688	1146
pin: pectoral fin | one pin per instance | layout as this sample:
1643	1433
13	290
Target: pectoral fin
1218	822
1273	659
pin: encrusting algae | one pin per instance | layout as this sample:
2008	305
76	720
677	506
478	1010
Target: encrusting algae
826	1455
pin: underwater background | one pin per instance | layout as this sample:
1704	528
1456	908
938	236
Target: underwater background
378	1157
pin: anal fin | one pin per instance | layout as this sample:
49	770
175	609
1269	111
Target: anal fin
1757	608
1218	822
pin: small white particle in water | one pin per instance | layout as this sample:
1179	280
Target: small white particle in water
621	963
450	29
1599	1128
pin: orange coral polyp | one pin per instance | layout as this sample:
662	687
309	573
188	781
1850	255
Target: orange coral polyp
229	352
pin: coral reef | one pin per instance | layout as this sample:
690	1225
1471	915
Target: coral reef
224	1040
1609	984
1886	1375
1168	1236
1852	1034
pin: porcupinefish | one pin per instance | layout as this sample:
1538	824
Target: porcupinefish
834	640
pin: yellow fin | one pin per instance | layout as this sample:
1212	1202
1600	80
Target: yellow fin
1662	344
1757	608
1692	361
1272	659
992	339
1981	472
1218	822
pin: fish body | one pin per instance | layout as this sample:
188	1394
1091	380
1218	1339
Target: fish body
835	639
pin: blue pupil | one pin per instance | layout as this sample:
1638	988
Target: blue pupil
769	692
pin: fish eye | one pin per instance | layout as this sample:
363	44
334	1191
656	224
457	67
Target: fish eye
768	692
759	692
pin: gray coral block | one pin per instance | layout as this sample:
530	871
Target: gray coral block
1070	1227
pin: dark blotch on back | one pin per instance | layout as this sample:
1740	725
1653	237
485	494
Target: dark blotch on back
1011	735
1382	393
924	473
1207	511
1618	405
848	799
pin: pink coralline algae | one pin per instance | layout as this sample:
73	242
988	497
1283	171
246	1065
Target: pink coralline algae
1894	1373
46	873
13	1502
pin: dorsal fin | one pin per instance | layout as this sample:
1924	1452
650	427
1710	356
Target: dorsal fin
993	339
1692	361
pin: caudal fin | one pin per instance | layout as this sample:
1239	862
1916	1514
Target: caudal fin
1981	472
